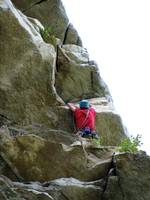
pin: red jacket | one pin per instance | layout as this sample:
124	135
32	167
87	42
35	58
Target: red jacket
80	115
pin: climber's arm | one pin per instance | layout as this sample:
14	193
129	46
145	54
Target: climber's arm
71	106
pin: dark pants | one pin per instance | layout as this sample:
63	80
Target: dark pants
86	132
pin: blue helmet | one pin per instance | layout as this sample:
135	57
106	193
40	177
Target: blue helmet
84	104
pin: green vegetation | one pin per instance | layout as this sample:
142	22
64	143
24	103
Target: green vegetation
48	35
98	142
130	144
46	32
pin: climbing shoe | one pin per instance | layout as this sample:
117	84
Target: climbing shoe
95	136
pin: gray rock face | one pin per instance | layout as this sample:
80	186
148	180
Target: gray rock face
126	171
75	71
71	36
60	189
41	154
37	140
50	13
110	128
12	191
26	68
131	178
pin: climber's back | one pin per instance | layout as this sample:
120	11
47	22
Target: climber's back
84	117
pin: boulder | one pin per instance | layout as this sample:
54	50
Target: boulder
60	189
70	188
128	171
9	190
71	36
76	76
131	179
110	128
33	158
26	69
50	13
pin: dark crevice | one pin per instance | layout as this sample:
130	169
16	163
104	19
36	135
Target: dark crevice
114	164
3	116
92	79
67	59
12	168
39	2
112	172
5	121
65	34
79	42
57	65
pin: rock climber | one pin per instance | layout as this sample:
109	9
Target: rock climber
84	117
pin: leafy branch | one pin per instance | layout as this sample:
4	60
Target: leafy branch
130	144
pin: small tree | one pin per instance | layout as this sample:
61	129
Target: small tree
130	144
